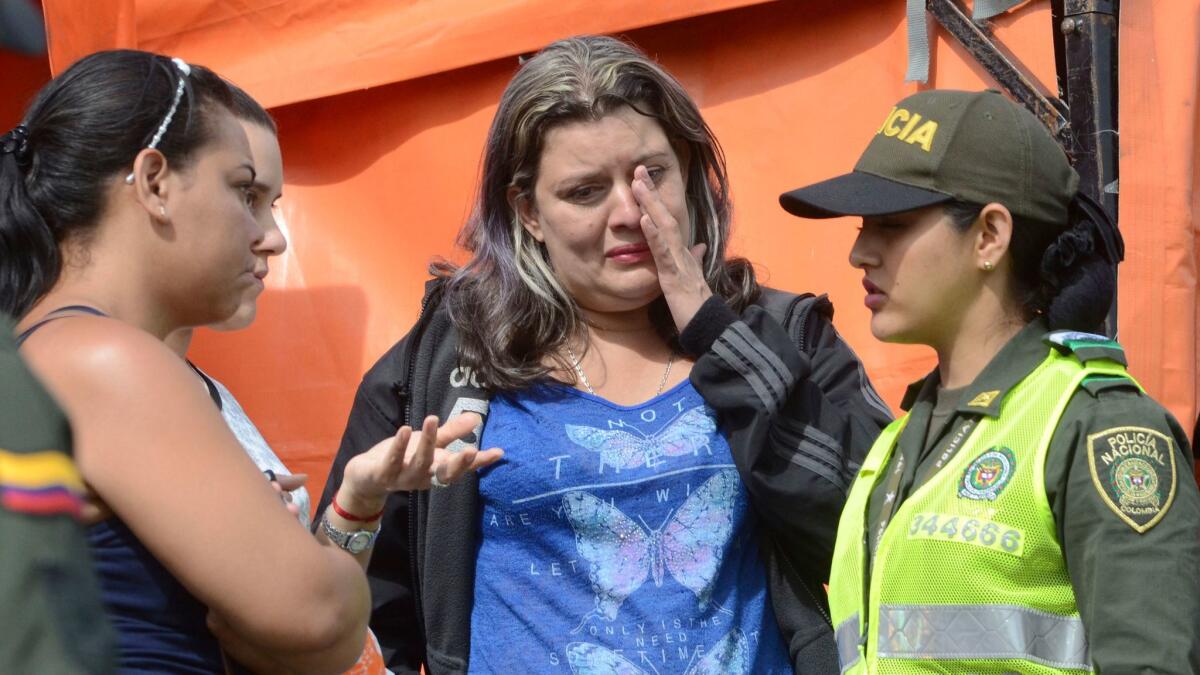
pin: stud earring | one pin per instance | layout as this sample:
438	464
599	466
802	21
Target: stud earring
162	211
988	266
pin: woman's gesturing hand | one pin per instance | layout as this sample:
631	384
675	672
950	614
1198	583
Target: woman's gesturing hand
411	460
680	270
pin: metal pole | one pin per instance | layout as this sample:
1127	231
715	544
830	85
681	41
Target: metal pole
1088	83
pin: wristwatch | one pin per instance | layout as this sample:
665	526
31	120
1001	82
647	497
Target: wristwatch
355	542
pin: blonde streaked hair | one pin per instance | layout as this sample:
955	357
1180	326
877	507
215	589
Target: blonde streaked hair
507	303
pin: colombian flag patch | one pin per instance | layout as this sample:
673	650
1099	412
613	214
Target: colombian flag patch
40	483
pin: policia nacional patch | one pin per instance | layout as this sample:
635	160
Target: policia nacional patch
1133	469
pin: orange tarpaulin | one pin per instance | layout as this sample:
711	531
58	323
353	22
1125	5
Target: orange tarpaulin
388	103
20	77
306	49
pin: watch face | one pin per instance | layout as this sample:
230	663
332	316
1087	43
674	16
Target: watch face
359	541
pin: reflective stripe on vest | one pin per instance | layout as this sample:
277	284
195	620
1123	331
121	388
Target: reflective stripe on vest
847	636
979	632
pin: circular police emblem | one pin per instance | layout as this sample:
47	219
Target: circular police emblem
986	477
1136	483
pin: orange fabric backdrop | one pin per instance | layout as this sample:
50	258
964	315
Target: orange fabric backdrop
380	179
20	77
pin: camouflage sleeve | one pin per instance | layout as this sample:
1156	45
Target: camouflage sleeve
51	619
50	607
1119	478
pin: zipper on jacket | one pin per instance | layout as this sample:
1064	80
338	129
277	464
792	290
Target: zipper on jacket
800	335
414	495
412	563
412	356
802	319
804	584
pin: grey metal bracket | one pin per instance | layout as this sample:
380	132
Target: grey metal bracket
980	45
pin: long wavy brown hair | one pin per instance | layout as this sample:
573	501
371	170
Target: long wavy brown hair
509	308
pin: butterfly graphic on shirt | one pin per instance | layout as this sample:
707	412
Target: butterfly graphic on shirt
685	434
730	655
622	554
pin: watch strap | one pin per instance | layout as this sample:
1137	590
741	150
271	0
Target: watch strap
343	538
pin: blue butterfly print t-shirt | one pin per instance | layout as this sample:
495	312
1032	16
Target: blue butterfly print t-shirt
617	540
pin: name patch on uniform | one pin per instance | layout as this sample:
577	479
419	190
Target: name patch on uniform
986	476
1133	469
974	531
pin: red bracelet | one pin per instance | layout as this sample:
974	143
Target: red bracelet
350	516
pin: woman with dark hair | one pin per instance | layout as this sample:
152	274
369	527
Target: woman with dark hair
1034	511
127	213
647	391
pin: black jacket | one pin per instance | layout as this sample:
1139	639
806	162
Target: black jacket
791	398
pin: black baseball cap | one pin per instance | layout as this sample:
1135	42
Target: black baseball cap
941	145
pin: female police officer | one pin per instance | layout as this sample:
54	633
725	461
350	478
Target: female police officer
1034	511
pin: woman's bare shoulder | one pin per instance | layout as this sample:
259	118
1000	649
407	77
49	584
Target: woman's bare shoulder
97	353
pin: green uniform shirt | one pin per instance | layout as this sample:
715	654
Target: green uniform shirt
51	619
1138	593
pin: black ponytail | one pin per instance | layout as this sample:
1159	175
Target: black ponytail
84	129
1063	271
28	253
1079	268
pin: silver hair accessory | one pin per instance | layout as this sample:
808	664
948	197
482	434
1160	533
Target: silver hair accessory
185	70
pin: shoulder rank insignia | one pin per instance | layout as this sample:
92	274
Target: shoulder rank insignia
984	399
1086	346
1133	469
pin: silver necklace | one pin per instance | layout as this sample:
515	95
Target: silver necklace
588	385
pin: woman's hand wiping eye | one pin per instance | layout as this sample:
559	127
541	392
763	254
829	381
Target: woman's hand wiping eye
680	268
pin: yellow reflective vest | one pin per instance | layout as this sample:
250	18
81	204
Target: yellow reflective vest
968	575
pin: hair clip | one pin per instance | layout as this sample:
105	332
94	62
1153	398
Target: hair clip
16	143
